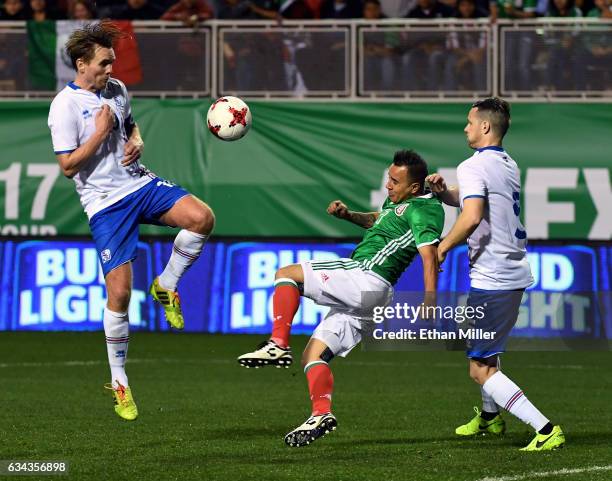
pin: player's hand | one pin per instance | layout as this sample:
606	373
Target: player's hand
441	258
105	121
132	151
337	208
436	183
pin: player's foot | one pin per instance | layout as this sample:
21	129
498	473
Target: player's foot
315	427
170	302
478	425
268	353
125	406
546	442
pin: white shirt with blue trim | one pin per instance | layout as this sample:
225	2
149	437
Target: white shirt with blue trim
498	258
102	181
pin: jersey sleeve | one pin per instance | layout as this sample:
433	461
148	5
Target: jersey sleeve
127	112
426	222
471	181
64	127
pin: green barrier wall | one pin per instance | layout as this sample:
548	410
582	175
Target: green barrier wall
278	180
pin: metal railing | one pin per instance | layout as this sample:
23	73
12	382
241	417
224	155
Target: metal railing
393	59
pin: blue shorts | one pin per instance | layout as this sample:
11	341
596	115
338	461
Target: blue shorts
500	311
115	229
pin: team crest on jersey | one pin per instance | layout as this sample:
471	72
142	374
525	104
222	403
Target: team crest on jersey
400	209
324	277
119	103
105	255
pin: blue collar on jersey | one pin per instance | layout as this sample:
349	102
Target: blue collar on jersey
74	86
491	147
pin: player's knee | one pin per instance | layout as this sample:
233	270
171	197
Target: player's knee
479	373
326	356
203	220
118	298
283	273
290	272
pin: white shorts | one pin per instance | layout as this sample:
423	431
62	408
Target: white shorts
351	293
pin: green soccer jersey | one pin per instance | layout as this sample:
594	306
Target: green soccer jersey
389	246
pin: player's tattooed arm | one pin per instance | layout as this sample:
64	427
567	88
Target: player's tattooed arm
73	162
337	208
447	194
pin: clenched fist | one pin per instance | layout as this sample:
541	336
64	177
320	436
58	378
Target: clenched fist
337	208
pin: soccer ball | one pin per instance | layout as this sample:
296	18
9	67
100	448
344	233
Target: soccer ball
229	118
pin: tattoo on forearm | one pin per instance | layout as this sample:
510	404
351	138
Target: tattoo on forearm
363	219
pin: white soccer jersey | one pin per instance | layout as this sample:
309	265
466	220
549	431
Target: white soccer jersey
102	181
498	259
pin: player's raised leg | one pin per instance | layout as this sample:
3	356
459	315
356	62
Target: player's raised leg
321	386
197	221
285	303
116	330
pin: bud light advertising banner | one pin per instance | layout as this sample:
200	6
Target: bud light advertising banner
58	285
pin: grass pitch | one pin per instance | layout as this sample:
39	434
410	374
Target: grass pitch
204	417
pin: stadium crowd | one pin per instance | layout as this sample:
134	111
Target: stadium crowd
190	11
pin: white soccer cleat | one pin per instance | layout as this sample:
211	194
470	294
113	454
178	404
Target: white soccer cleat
268	353
313	428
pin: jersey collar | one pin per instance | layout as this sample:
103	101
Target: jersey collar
491	147
74	86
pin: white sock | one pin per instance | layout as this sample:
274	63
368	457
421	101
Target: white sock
116	329
508	395
488	404
186	250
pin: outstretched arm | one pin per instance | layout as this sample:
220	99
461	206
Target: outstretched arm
337	208
468	220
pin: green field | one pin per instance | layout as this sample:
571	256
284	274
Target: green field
204	417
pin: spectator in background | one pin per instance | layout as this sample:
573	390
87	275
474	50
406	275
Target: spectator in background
341	9
428	9
299	9
423	58
381	64
519	45
464	67
137	10
13	10
265	9
514	9
564	9
602	9
190	12
234	10
82	10
566	57
396	8
40	11
247	10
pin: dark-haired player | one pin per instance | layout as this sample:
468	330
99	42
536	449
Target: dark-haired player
489	196
98	144
410	222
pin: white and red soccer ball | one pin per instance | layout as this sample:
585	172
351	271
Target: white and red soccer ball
229	118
